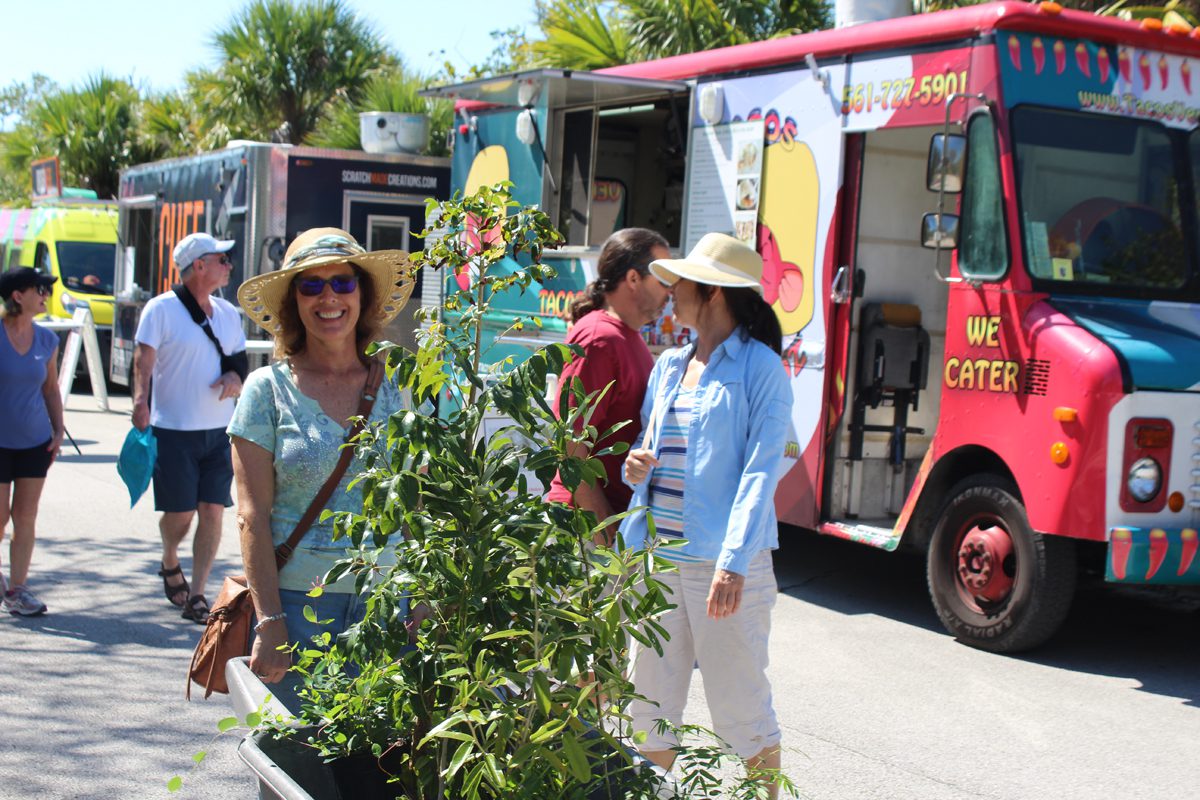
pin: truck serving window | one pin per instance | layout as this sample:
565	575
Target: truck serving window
87	267
622	167
1104	202
983	252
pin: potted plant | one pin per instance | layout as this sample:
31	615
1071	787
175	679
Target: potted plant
514	685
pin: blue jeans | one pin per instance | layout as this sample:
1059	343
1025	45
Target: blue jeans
342	608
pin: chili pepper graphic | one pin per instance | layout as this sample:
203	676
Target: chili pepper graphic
1081	58
1060	57
1119	546
794	357
1014	52
1039	55
1185	72
1158	551
1124	63
1102	61
1190	541
1144	68
1163	71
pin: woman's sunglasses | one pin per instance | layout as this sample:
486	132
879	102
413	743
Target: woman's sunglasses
341	284
43	290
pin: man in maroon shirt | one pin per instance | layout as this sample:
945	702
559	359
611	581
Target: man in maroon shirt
623	298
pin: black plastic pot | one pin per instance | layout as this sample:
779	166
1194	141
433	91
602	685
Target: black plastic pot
364	777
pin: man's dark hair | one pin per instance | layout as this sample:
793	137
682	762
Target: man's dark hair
629	248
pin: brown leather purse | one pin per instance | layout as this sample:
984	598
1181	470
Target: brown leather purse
230	629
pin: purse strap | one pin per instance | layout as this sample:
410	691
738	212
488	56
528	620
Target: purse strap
366	402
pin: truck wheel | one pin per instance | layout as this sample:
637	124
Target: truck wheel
996	583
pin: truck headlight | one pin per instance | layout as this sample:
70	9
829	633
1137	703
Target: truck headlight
70	302
1144	479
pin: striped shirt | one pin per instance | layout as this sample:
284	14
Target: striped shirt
666	482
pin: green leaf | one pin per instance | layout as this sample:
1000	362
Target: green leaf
310	614
541	689
548	731
577	758
461	755
227	724
509	634
199	756
175	784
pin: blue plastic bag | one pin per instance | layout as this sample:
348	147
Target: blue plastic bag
136	462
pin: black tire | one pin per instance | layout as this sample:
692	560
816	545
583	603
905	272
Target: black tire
1038	572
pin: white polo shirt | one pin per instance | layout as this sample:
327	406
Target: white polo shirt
186	363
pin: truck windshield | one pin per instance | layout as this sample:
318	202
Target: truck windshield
87	267
1105	203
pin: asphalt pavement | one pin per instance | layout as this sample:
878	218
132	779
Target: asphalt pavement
92	694
874	699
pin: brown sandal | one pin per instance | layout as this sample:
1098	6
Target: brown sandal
196	609
174	590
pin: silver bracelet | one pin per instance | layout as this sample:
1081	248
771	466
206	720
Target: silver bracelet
273	618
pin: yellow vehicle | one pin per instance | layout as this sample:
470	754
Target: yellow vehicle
75	240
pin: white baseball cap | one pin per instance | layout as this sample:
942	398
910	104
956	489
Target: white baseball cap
196	245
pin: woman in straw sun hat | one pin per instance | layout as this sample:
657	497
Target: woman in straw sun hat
717	415
324	306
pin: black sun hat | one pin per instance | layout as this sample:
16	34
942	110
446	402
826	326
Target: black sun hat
21	278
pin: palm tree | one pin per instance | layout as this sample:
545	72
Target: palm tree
93	129
582	34
394	90
283	62
589	34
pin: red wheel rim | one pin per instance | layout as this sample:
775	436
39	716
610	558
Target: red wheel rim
984	564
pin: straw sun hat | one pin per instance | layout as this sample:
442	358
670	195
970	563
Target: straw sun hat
390	271
716	259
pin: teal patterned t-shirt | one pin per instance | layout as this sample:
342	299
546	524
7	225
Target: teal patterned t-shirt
273	414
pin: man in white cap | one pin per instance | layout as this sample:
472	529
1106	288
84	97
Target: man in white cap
192	345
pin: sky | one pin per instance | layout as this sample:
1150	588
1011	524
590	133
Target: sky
157	41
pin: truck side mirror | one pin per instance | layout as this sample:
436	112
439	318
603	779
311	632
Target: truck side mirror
947	156
939	231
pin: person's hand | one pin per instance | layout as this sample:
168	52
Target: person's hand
267	661
416	617
141	414
638	464
230	384
55	445
725	594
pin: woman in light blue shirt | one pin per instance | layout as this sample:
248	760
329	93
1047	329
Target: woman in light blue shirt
323	307
717	417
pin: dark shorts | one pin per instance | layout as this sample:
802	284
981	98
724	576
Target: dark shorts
30	462
193	467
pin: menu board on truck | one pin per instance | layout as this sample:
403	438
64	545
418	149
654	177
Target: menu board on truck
724	181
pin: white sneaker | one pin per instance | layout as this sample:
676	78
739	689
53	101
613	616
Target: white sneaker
21	602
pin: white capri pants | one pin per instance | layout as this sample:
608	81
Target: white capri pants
731	652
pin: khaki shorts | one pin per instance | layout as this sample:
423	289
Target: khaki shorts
731	653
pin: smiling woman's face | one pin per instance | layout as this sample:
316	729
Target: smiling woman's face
329	315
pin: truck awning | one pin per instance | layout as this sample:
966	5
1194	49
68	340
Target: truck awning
560	87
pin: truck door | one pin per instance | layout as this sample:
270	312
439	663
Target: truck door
388	223
134	276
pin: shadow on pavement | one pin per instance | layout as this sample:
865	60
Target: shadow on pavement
1148	635
854	579
86	458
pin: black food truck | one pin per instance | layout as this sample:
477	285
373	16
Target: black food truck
261	196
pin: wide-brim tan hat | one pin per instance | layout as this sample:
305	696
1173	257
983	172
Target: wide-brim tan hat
717	260
391	272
